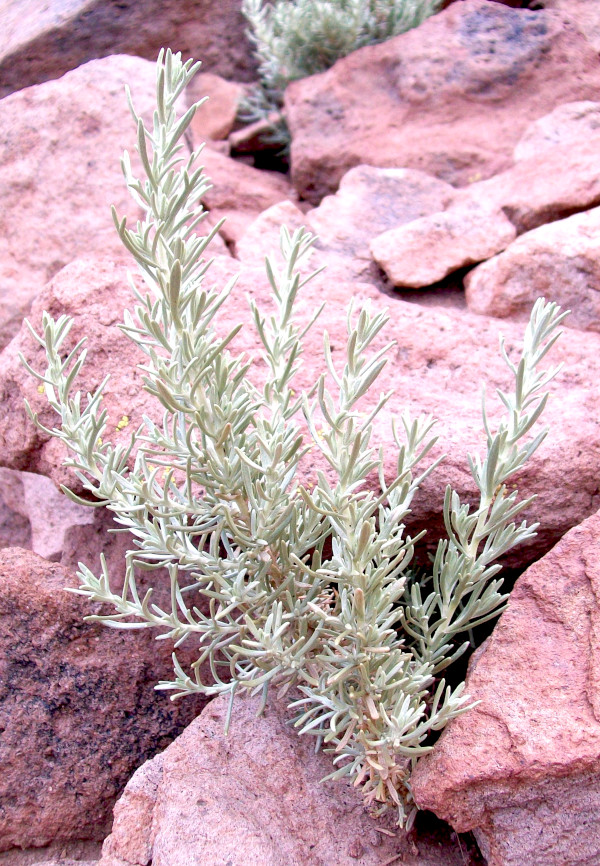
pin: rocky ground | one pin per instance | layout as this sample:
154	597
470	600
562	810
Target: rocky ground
453	176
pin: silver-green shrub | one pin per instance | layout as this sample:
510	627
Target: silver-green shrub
297	38
279	586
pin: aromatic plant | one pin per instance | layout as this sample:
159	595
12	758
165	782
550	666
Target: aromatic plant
297	38
278	585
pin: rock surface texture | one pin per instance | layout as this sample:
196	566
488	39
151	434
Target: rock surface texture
568	124
58	181
436	368
584	13
564	179
78	711
240	192
49	513
252	798
428	249
424	107
44	40
560	260
370	201
218	115
521	769
97	293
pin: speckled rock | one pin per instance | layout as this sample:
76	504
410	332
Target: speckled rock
218	115
77	708
560	260
567	125
57	183
240	192
47	511
369	201
428	249
564	179
584	14
417	100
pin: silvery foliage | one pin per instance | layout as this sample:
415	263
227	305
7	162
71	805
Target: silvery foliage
276	584
297	38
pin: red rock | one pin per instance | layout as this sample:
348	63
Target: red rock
428	249
62	862
78	710
563	180
369	201
15	526
240	192
441	358
567	125
261	238
418	100
584	14
72	853
48	512
68	862
58	183
217	117
560	261
96	293
521	768
44	40
253	798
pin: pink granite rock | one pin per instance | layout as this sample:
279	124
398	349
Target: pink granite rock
560	181
522	768
418	100
78	711
438	365
252	798
15	528
68	862
428	249
369	201
560	260
584	14
48	512
96	293
240	192
567	125
218	115
58	182
44	40
261	238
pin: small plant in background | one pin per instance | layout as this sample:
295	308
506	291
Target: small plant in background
280	586
297	38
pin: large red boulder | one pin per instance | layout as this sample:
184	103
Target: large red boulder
43	40
58	180
451	97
